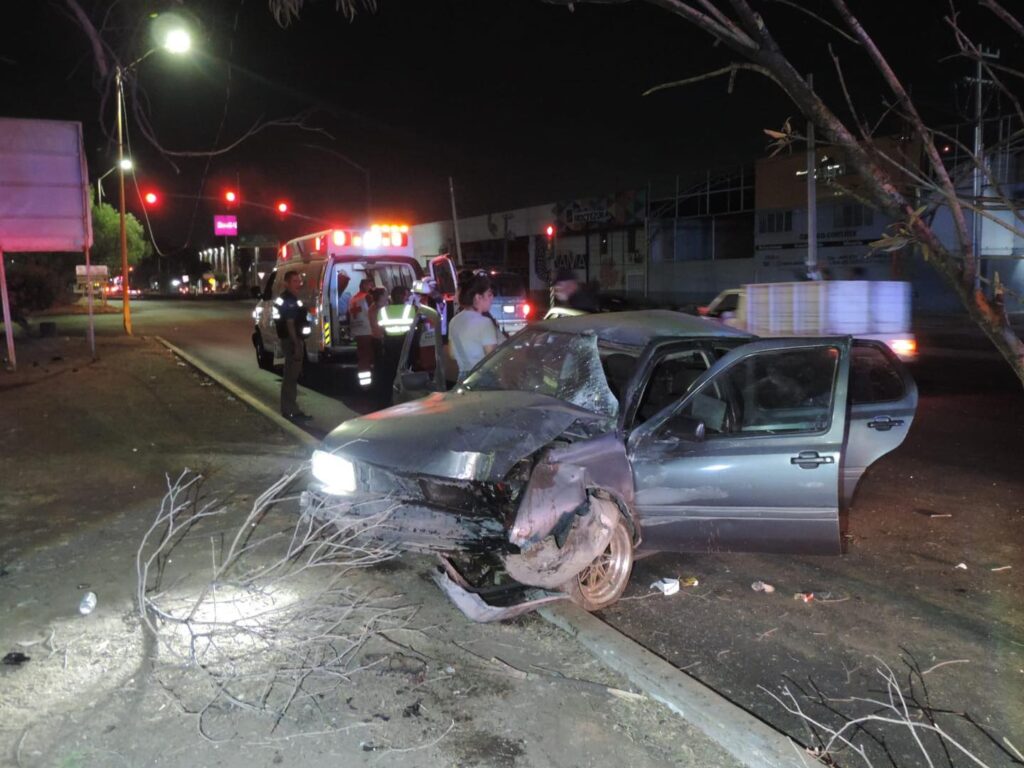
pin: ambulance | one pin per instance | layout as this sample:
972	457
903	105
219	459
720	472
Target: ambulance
333	263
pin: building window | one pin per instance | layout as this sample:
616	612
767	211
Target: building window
852	215
775	221
604	244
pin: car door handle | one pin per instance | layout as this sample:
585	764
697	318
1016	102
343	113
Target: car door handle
884	423
811	460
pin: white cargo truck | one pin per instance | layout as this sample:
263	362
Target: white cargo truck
867	309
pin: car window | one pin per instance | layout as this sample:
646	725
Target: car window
873	376
728	303
772	392
670	380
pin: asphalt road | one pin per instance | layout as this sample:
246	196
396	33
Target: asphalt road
924	585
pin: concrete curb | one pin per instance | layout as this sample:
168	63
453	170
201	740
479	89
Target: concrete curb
295	431
751	741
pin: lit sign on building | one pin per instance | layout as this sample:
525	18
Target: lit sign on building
225	226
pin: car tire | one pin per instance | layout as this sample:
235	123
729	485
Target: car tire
602	583
264	359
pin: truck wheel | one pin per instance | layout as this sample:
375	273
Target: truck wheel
264	359
602	582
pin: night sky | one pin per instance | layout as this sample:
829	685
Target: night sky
520	101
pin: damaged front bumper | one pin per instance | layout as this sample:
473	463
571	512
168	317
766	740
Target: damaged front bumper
469	600
404	525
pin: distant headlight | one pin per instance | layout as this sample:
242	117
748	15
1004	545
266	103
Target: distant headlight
337	473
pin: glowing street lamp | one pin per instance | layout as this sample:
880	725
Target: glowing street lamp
176	40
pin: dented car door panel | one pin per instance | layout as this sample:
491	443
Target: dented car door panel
766	476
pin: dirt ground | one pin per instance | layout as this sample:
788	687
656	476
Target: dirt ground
87	451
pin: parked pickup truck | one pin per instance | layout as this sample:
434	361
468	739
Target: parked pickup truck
867	309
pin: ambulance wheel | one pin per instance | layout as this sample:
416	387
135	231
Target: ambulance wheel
264	359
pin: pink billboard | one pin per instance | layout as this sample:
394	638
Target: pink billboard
225	226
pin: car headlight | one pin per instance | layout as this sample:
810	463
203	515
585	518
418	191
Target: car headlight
337	473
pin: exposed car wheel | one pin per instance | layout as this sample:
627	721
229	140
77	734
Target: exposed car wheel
603	581
264	359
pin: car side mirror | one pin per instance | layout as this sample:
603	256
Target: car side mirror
684	428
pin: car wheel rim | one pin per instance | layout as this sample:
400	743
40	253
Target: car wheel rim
603	578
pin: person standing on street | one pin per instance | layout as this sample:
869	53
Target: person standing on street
473	333
567	292
290	324
362	331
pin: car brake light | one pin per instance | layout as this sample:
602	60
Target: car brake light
904	347
526	310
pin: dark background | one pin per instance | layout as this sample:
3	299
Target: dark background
520	101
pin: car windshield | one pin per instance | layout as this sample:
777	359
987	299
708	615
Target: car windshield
566	366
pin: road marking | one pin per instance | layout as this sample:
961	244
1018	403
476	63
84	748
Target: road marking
294	430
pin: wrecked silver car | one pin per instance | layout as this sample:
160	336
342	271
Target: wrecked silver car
583	440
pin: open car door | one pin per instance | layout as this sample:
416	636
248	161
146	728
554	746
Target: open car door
417	325
749	458
883	401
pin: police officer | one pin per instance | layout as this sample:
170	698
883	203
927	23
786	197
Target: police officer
290	324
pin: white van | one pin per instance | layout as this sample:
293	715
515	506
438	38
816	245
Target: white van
332	264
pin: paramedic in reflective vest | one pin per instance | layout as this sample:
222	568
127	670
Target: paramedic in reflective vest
361	330
291	327
473	333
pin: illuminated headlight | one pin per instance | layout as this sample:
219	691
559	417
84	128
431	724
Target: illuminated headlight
337	473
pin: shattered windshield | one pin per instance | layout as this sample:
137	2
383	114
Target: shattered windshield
563	365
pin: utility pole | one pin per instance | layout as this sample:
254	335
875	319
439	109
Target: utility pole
812	198
125	290
979	159
455	222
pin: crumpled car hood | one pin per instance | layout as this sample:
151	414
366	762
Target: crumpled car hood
459	435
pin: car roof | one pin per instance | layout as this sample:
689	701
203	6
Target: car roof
637	329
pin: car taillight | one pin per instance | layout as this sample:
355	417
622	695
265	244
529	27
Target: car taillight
526	309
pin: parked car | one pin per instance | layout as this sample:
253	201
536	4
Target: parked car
582	440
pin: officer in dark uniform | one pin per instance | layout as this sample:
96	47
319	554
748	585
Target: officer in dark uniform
291	324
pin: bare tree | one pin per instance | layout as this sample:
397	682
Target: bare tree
911	189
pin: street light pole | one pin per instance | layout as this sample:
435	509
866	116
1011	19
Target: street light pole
125	292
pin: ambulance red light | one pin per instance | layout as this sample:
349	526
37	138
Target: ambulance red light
339	237
284	251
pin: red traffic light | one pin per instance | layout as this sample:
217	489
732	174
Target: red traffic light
282	207
231	196
150	198
550	231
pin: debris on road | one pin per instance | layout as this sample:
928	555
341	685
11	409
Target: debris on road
961	566
761	586
666	586
15	658
88	603
690	581
804	597
930	513
1001	568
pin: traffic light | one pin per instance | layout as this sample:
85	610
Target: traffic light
151	199
231	197
550	231
282	207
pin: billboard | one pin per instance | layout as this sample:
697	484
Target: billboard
225	226
44	202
